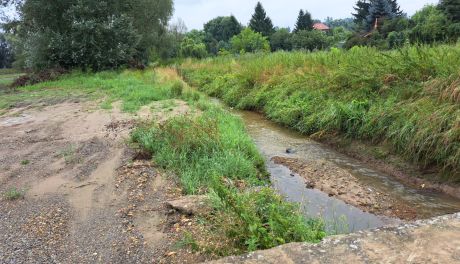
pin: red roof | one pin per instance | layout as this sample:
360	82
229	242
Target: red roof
320	26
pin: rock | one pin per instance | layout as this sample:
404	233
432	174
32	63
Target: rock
290	151
191	205
436	241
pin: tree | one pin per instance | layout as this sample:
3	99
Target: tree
452	9
310	40
260	22
380	10
281	40
6	53
396	8
91	34
219	31
304	21
193	45
346	23
362	11
430	24
249	41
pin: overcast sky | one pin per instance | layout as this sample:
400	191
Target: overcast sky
283	12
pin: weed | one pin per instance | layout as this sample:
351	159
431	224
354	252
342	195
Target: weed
25	162
69	154
14	194
188	241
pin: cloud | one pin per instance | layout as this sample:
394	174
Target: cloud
283	12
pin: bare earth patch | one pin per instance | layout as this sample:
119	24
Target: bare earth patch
88	197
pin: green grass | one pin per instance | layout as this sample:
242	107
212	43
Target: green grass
408	99
133	88
14	194
212	153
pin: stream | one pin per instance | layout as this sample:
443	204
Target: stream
339	217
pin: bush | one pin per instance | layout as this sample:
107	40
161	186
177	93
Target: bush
38	77
190	47
89	34
281	40
310	40
249	41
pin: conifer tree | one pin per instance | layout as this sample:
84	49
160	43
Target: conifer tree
362	11
260	22
381	9
396	8
304	21
452	9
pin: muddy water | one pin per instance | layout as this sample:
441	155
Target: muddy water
273	140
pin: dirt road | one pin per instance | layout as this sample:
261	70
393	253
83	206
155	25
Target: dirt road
88	198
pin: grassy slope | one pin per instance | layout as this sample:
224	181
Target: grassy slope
210	153
408	99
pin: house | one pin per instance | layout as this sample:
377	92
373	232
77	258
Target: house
321	27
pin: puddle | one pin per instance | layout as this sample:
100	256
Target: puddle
273	140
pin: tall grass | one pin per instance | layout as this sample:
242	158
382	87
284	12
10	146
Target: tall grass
408	98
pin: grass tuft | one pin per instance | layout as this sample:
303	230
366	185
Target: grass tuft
14	194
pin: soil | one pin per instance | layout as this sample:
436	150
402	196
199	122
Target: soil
88	197
337	182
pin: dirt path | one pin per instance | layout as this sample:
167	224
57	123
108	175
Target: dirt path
88	197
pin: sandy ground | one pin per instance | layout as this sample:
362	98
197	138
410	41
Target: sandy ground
88	197
340	183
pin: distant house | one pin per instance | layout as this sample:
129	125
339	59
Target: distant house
321	27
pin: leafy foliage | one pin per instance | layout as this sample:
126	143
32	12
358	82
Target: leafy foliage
90	34
310	40
281	40
249	41
193	45
452	9
430	26
219	31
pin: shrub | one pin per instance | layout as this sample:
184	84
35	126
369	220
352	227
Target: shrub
38	77
310	40
249	41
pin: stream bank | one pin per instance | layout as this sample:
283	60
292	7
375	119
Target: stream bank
348	194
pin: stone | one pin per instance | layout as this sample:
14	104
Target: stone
191	204
428	241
